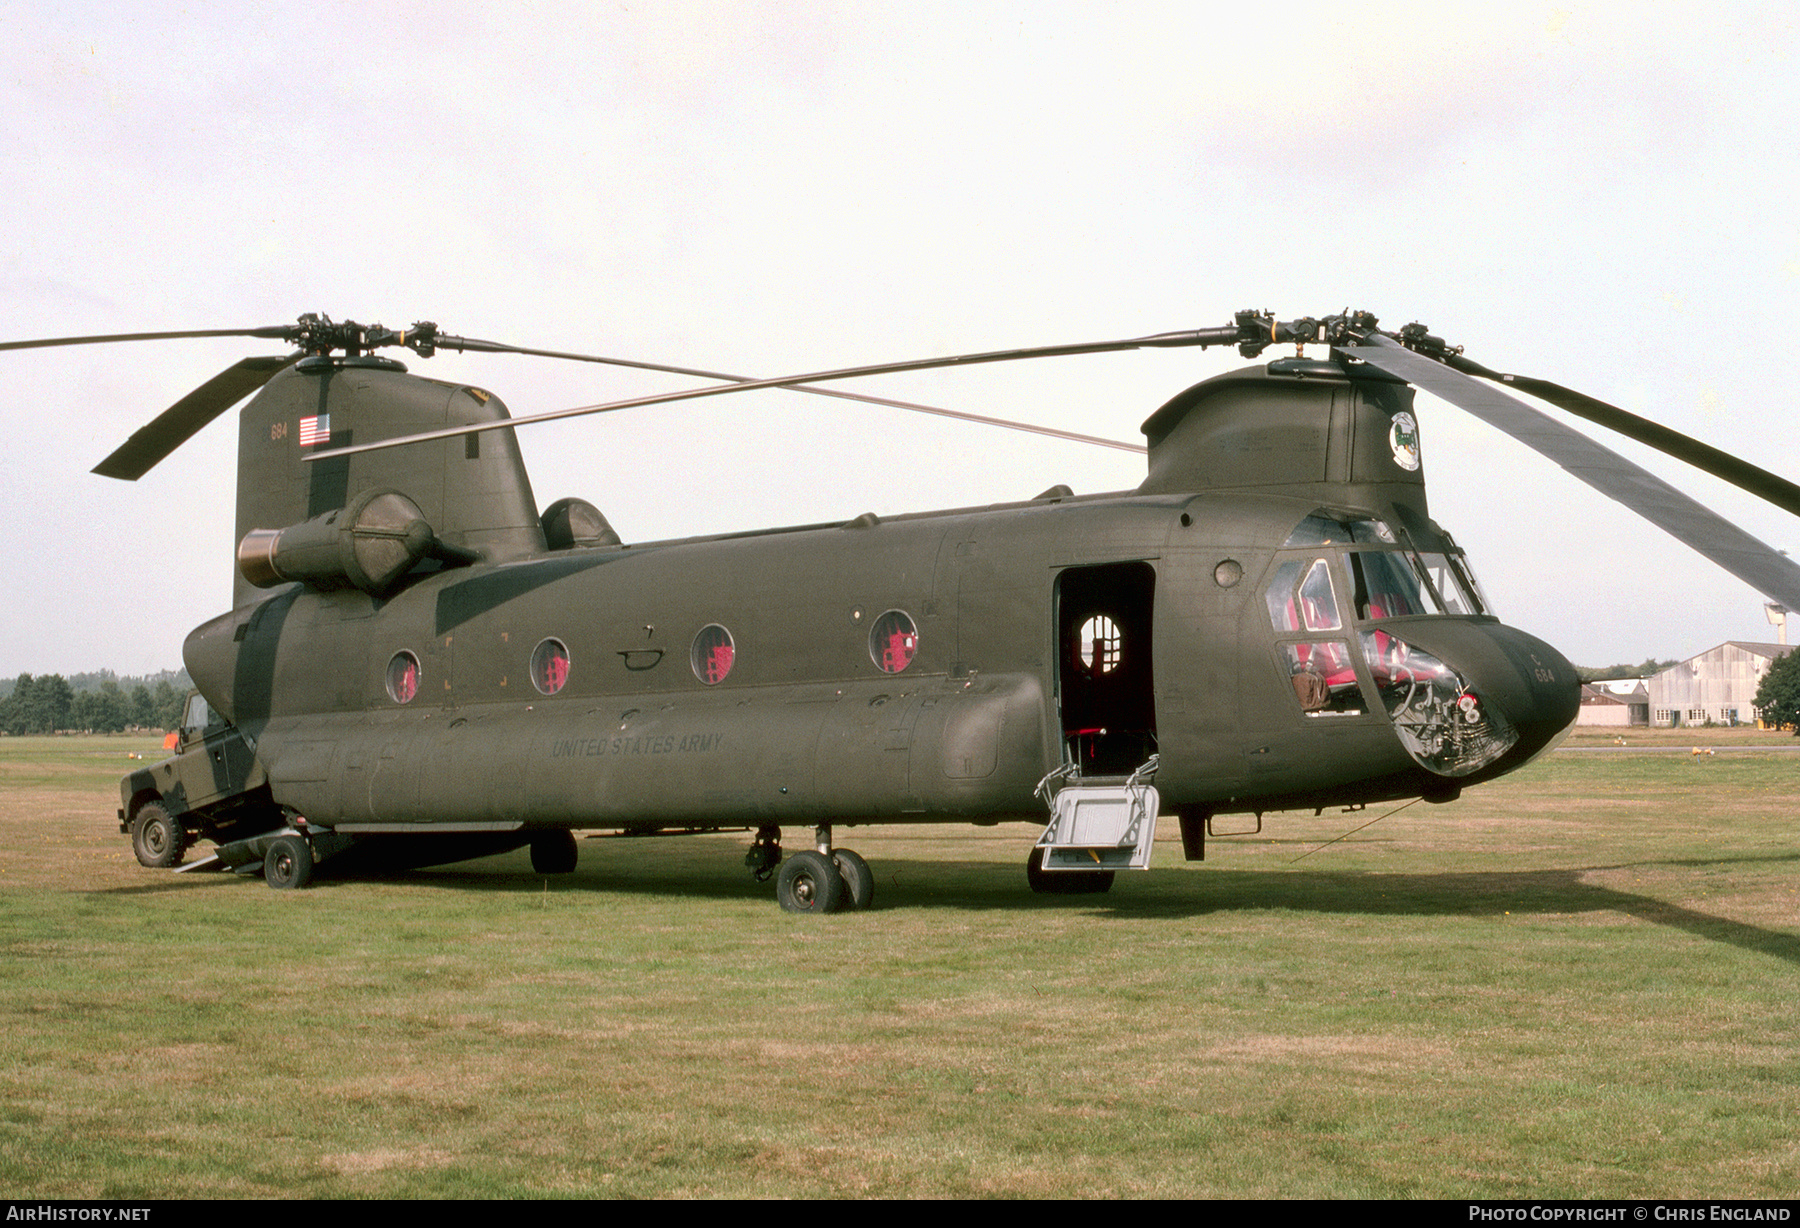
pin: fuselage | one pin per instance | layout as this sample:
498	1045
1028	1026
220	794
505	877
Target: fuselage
924	668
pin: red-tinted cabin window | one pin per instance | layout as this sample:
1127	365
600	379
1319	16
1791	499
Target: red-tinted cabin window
550	666
893	641
713	654
403	677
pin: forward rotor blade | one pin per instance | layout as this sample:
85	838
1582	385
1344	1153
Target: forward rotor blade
497	347
275	332
1200	337
1703	456
1750	560
178	423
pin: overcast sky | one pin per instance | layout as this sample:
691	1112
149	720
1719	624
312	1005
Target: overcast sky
1603	195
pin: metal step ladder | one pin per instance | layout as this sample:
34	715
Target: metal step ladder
1099	823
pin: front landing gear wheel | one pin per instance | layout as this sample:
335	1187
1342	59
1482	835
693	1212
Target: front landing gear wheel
809	882
1065	882
859	880
288	865
554	852
156	838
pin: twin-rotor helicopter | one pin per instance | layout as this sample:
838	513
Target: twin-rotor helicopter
421	664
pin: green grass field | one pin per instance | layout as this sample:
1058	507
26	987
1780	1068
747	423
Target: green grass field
1578	982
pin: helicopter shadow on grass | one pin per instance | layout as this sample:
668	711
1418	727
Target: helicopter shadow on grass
1527	893
915	883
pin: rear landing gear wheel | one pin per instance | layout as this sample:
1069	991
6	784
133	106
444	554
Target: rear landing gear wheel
554	852
156	838
809	882
288	865
859	880
1065	882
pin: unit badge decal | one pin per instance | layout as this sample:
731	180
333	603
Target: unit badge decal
1403	439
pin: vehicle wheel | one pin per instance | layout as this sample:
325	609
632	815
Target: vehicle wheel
808	882
859	880
157	839
554	852
1065	882
288	865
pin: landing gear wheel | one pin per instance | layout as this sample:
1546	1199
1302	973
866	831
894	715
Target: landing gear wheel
288	865
808	882
859	880
156	838
1065	882
554	852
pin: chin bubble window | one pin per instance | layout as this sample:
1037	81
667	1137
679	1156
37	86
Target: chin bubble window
893	641
550	666
713	654
403	677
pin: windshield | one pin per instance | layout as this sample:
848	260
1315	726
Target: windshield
1400	584
1391	579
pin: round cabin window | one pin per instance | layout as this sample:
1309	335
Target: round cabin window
403	677
713	654
550	666
893	641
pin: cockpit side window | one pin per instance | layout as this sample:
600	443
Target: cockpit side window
1318	605
1323	678
1300	597
1302	602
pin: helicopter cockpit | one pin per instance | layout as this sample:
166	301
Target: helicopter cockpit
1439	716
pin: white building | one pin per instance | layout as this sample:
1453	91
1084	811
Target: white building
1716	687
1617	701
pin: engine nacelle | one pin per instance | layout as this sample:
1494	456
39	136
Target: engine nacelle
367	545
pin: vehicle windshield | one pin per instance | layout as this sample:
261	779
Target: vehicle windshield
198	715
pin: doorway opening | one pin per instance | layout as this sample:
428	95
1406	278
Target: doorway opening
1105	684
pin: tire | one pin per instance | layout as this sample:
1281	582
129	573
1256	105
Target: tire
1065	882
859	880
288	865
809	882
554	852
157	839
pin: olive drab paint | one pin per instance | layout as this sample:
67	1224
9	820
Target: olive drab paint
923	668
420	665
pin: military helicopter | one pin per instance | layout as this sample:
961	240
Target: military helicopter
421	666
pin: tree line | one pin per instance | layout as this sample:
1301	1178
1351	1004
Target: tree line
1591	673
49	704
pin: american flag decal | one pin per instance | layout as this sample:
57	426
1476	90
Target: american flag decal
315	430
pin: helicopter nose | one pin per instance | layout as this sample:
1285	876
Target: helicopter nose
1472	697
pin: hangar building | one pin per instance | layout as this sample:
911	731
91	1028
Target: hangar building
1718	686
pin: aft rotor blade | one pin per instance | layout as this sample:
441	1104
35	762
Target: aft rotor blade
1703	456
173	427
1750	560
275	332
1200	337
497	347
